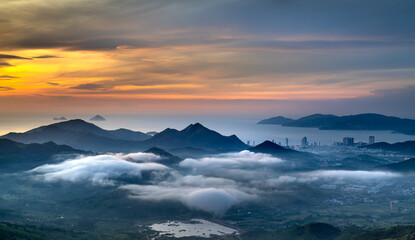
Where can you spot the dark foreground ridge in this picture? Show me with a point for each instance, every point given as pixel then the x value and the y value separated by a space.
pixel 14 155
pixel 311 231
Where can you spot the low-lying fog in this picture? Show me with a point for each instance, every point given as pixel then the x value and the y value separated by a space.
pixel 211 184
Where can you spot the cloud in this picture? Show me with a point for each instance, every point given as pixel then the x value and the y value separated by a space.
pixel 231 160
pixel 89 86
pixel 321 44
pixel 213 200
pixel 5 64
pixel 349 175
pixel 141 157
pixel 6 77
pixel 46 56
pixel 101 169
pixel 332 176
pixel 53 83
pixel 211 184
pixel 5 89
pixel 6 56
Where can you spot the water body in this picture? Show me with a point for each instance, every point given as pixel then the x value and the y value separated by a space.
pixel 193 228
pixel 244 127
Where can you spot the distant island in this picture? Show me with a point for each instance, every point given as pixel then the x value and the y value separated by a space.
pixel 97 118
pixel 59 119
pixel 366 121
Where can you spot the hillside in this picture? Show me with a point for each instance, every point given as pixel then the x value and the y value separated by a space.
pixel 270 148
pixel 195 136
pixel 403 147
pixel 404 166
pixel 14 155
pixel 166 158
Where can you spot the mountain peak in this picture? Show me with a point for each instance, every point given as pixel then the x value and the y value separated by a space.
pixel 269 147
pixel 195 127
pixel 97 118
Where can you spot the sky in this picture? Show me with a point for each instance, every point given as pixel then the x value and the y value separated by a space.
pixel 262 57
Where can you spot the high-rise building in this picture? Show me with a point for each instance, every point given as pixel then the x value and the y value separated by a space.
pixel 304 142
pixel 286 142
pixel 371 139
pixel 348 141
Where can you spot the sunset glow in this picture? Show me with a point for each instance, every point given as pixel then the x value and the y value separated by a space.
pixel 151 51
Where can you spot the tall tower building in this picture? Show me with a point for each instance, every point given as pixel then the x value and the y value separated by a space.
pixel 286 142
pixel 371 139
pixel 348 141
pixel 304 142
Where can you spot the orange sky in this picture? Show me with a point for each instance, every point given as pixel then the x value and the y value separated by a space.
pixel 132 52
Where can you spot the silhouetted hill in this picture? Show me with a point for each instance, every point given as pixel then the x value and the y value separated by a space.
pixel 166 158
pixel 195 136
pixel 191 152
pixel 276 120
pixel 82 135
pixel 87 136
pixel 367 121
pixel 404 166
pixel 403 147
pixel 15 155
pixel 270 148
pixel 97 118
pixel 312 231
pixel 361 162
pixel 59 119
pixel 323 231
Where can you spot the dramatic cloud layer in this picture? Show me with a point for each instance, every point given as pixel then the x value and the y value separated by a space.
pixel 231 160
pixel 212 184
pixel 100 169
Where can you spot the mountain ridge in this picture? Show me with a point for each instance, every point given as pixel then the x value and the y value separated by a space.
pixel 87 136
pixel 365 121
pixel 25 156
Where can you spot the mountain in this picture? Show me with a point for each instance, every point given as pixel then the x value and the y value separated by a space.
pixel 195 136
pixel 276 120
pixel 404 166
pixel 270 148
pixel 403 147
pixel 82 135
pixel 87 136
pixel 367 121
pixel 191 152
pixel 97 118
pixel 59 119
pixel 166 158
pixel 361 162
pixel 15 155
